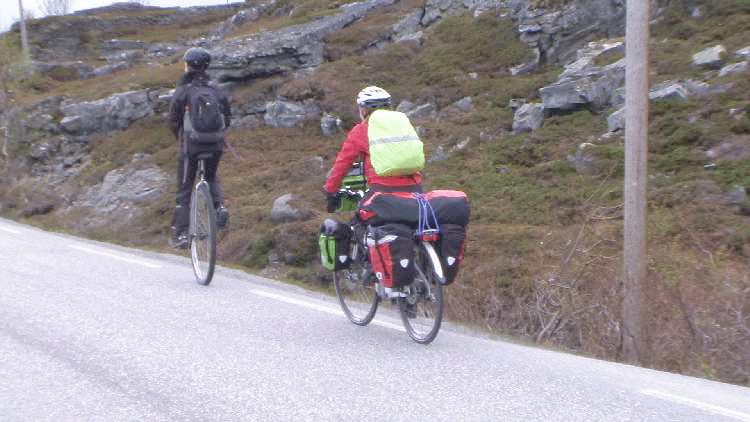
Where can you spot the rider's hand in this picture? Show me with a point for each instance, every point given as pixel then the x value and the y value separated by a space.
pixel 332 201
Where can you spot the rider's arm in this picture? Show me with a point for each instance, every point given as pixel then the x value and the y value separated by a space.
pixel 354 146
pixel 177 109
pixel 226 110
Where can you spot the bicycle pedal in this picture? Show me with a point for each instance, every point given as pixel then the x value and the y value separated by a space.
pixel 410 310
pixel 180 242
pixel 222 218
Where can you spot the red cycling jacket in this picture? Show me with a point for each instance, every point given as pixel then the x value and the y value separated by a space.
pixel 355 145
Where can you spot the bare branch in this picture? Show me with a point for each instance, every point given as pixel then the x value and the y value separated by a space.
pixel 698 244
pixel 5 141
pixel 547 326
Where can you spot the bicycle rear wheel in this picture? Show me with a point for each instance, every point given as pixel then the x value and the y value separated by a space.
pixel 202 233
pixel 422 308
pixel 355 287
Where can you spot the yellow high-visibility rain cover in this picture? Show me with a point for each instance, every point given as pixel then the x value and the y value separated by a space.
pixel 395 147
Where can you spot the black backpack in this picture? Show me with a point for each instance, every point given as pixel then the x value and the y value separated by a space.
pixel 203 114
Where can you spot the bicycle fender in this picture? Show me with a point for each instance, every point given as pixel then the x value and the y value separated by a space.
pixel 437 266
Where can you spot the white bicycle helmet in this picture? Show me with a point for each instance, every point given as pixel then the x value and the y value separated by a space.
pixel 372 97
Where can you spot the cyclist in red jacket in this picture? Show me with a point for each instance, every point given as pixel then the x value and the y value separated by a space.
pixel 357 146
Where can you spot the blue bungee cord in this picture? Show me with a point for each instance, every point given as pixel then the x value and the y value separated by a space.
pixel 427 221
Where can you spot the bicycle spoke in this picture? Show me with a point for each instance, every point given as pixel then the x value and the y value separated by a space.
pixel 422 309
pixel 356 292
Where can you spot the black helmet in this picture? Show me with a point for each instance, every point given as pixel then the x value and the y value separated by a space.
pixel 197 58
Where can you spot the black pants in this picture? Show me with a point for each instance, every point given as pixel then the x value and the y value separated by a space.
pixel 187 164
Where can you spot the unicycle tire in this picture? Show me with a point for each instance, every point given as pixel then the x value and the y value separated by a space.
pixel 203 233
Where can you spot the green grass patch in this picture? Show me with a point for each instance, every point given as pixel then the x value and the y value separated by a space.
pixel 456 48
pixel 116 149
pixel 730 173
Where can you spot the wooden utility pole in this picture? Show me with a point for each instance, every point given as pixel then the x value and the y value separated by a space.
pixel 24 37
pixel 636 168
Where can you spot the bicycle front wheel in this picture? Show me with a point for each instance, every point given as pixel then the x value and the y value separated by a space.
pixel 203 233
pixel 422 308
pixel 355 287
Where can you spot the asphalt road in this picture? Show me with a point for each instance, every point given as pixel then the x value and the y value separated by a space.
pixel 96 332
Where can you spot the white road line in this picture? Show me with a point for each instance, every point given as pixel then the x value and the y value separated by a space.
pixel 388 325
pixel 115 256
pixel 5 229
pixel 317 307
pixel 697 404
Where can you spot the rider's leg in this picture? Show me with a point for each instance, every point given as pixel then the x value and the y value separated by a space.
pixel 178 174
pixel 185 177
pixel 212 166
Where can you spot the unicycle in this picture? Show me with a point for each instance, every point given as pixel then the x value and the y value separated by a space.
pixel 202 230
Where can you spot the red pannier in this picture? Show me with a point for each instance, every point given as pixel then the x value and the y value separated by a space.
pixel 391 249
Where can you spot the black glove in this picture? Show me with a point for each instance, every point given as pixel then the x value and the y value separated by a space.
pixel 332 201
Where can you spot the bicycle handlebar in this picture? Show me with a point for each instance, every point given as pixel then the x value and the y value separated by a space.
pixel 351 194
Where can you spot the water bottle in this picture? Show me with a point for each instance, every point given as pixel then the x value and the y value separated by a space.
pixel 329 226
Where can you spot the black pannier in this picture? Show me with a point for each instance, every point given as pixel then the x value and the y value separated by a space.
pixel 392 207
pixel 451 206
pixel 451 249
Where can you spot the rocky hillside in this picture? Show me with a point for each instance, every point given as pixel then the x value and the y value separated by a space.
pixel 519 102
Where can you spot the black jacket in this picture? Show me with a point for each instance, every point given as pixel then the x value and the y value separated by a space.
pixel 177 108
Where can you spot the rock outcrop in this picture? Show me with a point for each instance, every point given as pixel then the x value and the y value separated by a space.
pixel 116 112
pixel 557 34
pixel 288 49
pixel 68 38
